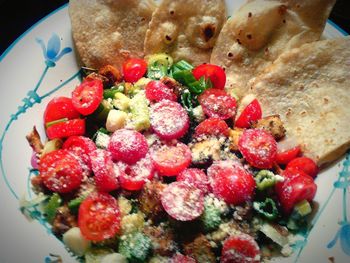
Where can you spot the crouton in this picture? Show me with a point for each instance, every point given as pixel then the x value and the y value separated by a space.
pixel 273 124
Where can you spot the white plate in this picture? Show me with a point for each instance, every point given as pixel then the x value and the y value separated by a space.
pixel 27 78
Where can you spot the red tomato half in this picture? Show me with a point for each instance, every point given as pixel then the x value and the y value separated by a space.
pixel 304 164
pixel 258 147
pixel 296 187
pixel 81 146
pixel 106 174
pixel 240 248
pixel 215 73
pixel 65 129
pixel 87 96
pixel 211 126
pixel 60 108
pixel 169 120
pixel 286 156
pixel 250 113
pixel 60 171
pixel 128 146
pixel 231 182
pixel 134 69
pixel 218 103
pixel 195 177
pixel 170 160
pixel 99 217
pixel 157 91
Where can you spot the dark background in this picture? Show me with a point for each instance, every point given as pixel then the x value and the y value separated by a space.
pixel 17 16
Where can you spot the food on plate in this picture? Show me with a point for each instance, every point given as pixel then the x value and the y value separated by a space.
pixel 259 31
pixel 185 29
pixel 158 182
pixel 109 32
pixel 308 88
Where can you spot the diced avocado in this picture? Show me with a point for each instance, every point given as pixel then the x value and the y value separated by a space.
pixel 211 217
pixel 121 101
pixel 141 83
pixel 114 258
pixel 116 120
pixel 135 247
pixel 303 208
pixel 140 114
pixel 95 255
pixel 75 241
pixel 101 113
pixel 132 223
pixel 51 146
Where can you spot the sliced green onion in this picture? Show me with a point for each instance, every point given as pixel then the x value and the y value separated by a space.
pixel 265 179
pixel 157 71
pixel 51 208
pixel 109 93
pixel 184 76
pixel 74 204
pixel 267 208
pixel 182 65
pixel 48 124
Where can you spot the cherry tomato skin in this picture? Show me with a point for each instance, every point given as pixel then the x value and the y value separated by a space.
pixel 231 182
pixel 195 177
pixel 81 146
pixel 60 108
pixel 182 201
pixel 106 174
pixel 128 146
pixel 286 156
pixel 304 164
pixel 60 171
pixel 157 91
pixel 258 147
pixel 240 248
pixel 217 103
pixel 169 120
pixel 66 129
pixel 250 113
pixel 99 217
pixel 179 258
pixel 134 69
pixel 170 160
pixel 87 96
pixel 215 73
pixel 211 127
pixel 296 187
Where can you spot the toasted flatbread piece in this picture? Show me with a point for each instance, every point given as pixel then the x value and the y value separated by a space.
pixel 309 87
pixel 261 30
pixel 107 31
pixel 186 29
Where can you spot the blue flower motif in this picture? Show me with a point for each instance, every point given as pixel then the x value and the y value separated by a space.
pixel 52 52
pixel 344 235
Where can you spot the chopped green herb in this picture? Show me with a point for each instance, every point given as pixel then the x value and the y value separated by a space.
pixel 51 207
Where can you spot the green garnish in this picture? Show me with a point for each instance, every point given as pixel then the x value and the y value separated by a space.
pixel 110 93
pixel 51 207
pixel 266 208
pixel 48 124
pixel 265 179
pixel 135 247
pixel 74 204
pixel 303 208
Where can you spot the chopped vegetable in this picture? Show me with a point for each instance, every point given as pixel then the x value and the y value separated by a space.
pixel 51 207
pixel 266 179
pixel 135 247
pixel 74 204
pixel 134 69
pixel 116 120
pixel 140 113
pixel 211 217
pixel 76 243
pixel 266 208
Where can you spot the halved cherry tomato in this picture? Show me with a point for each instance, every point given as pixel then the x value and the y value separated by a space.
pixel 169 120
pixel 87 96
pixel 157 91
pixel 170 160
pixel 106 174
pixel 218 103
pixel 215 73
pixel 240 248
pixel 134 69
pixel 128 146
pixel 211 126
pixel 296 187
pixel 195 177
pixel 60 108
pixel 231 182
pixel 60 171
pixel 81 146
pixel 288 155
pixel 258 147
pixel 99 217
pixel 250 113
pixel 304 164
pixel 65 129
pixel 179 258
pixel 133 177
pixel 182 201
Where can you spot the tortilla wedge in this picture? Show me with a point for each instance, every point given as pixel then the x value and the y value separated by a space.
pixel 309 87
pixel 108 32
pixel 186 29
pixel 259 31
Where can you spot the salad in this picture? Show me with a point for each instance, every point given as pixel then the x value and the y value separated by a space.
pixel 158 163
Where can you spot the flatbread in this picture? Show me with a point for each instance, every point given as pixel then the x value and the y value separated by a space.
pixel 186 29
pixel 309 87
pixel 107 31
pixel 260 31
